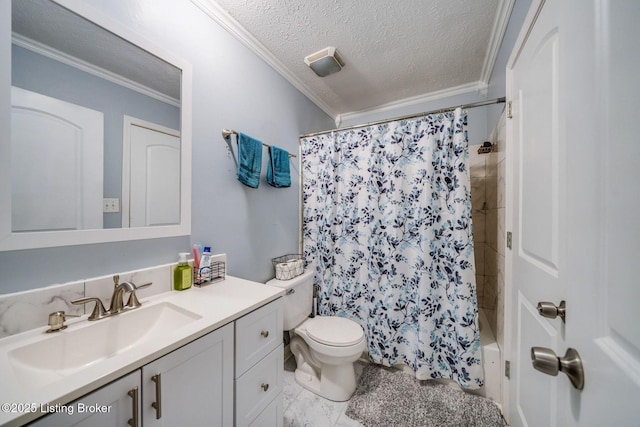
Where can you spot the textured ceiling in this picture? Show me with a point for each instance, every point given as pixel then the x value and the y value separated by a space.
pixel 392 50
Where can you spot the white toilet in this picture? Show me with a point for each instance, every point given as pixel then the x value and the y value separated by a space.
pixel 325 347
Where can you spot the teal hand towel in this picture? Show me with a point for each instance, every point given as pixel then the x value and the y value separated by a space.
pixel 249 160
pixel 278 174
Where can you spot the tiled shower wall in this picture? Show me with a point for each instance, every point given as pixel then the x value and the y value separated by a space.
pixel 488 204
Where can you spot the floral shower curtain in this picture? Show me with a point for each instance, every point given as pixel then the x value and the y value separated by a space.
pixel 387 228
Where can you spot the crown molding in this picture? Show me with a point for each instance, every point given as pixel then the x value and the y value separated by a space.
pixel 87 67
pixel 226 21
pixel 477 87
pixel 497 35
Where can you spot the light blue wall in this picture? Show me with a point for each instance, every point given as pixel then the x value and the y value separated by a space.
pixel 496 89
pixel 232 88
pixel 46 76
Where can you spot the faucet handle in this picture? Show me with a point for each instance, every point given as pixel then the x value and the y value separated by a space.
pixel 56 321
pixel 98 310
pixel 133 299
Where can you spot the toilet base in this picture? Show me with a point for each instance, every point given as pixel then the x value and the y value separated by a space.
pixel 335 382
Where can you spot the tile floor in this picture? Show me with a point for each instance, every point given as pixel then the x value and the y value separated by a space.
pixel 305 409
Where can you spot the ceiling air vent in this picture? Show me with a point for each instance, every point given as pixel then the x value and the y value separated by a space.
pixel 324 62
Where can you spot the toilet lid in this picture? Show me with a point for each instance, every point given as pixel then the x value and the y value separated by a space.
pixel 334 331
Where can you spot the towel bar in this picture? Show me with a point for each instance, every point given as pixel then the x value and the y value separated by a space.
pixel 226 133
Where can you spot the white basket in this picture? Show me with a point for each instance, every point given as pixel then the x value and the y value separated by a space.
pixel 289 269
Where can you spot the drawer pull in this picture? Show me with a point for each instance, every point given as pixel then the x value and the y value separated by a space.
pixel 265 334
pixel 265 387
pixel 157 405
pixel 133 393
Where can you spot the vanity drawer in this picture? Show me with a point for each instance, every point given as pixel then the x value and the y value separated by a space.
pixel 257 334
pixel 257 388
pixel 272 415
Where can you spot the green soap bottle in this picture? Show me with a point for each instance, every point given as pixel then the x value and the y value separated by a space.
pixel 182 275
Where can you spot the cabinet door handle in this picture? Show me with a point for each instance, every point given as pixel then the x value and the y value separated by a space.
pixel 133 421
pixel 157 405
pixel 265 334
pixel 265 387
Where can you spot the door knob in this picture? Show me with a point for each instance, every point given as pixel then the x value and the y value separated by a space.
pixel 546 361
pixel 550 310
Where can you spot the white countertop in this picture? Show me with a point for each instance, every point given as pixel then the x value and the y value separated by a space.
pixel 218 304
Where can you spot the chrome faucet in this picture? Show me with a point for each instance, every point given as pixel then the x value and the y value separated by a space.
pixel 117 299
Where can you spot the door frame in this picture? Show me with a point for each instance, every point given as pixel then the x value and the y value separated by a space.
pixel 127 122
pixel 530 19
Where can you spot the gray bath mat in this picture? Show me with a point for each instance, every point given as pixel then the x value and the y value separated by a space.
pixel 388 397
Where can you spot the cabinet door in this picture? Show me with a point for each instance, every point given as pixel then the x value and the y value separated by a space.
pixel 109 406
pixel 192 385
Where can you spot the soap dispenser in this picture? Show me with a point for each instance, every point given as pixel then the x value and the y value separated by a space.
pixel 182 275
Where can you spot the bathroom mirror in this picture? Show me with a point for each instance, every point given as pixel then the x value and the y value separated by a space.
pixel 99 146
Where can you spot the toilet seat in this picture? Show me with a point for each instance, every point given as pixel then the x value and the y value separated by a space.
pixel 334 331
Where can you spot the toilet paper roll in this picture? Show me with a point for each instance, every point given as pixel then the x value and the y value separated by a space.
pixel 284 271
pixel 290 269
pixel 298 267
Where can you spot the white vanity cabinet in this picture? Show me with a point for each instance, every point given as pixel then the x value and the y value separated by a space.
pixel 231 376
pixel 192 385
pixel 259 367
pixel 115 404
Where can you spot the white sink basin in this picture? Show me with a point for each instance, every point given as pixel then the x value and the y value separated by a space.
pixel 63 353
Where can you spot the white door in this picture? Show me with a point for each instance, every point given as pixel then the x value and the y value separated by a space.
pixel 56 164
pixel 574 156
pixel 151 174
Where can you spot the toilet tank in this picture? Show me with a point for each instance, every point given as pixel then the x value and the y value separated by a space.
pixel 298 298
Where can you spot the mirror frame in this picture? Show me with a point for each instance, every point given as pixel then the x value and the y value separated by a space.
pixel 9 240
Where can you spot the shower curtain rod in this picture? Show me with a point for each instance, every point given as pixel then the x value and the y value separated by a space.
pixel 412 116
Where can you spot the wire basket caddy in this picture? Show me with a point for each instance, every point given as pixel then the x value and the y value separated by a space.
pixel 288 266
pixel 207 276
